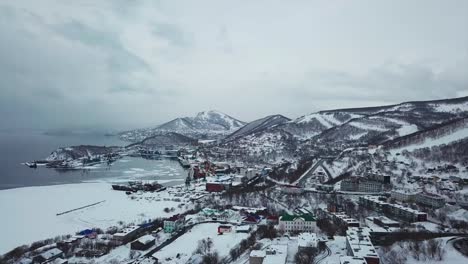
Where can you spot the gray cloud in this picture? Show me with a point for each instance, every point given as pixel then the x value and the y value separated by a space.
pixel 173 34
pixel 127 64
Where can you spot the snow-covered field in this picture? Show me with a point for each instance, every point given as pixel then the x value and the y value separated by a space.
pixel 187 244
pixel 32 215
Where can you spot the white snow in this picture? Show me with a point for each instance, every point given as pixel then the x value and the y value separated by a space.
pixel 32 215
pixel 451 108
pixel 461 215
pixel 445 139
pixel 187 243
pixel 327 120
pixel 364 126
pixel 405 127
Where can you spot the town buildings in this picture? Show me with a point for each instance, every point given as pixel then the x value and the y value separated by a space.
pixel 403 195
pixel 343 219
pixel 385 179
pixel 143 243
pixel 127 234
pixel 306 241
pixel 378 204
pixel 358 244
pixel 173 223
pixel 274 254
pixel 430 199
pixel 297 223
pixel 359 184
pixel 48 256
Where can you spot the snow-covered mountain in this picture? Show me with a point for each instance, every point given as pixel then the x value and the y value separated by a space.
pixel 313 124
pixel 318 133
pixel 207 123
pixel 379 124
pixel 443 134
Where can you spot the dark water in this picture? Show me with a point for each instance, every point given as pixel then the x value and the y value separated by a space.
pixel 19 147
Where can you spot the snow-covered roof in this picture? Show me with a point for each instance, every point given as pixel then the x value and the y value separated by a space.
pixel 257 254
pixel 276 254
pixel 307 240
pixel 245 228
pixel 352 260
pixel 51 253
pixel 59 261
pixel 126 231
pixel 376 200
pixel 146 239
pixel 360 243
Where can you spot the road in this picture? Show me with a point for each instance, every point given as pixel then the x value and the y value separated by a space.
pixel 310 171
pixel 318 259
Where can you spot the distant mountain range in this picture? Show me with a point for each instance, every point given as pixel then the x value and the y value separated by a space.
pixel 388 125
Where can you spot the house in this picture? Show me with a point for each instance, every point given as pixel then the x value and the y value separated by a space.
pixel 48 256
pixel 299 223
pixel 173 223
pixel 224 229
pixel 143 243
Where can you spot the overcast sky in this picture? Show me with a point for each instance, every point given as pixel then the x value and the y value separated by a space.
pixel 127 64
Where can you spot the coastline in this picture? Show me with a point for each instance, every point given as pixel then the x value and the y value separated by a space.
pixel 33 217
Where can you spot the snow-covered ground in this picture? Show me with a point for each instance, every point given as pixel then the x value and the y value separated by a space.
pixel 337 247
pixel 187 243
pixel 32 215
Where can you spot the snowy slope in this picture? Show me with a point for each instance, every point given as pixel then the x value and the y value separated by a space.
pixel 258 125
pixel 380 124
pixel 445 133
pixel 313 124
